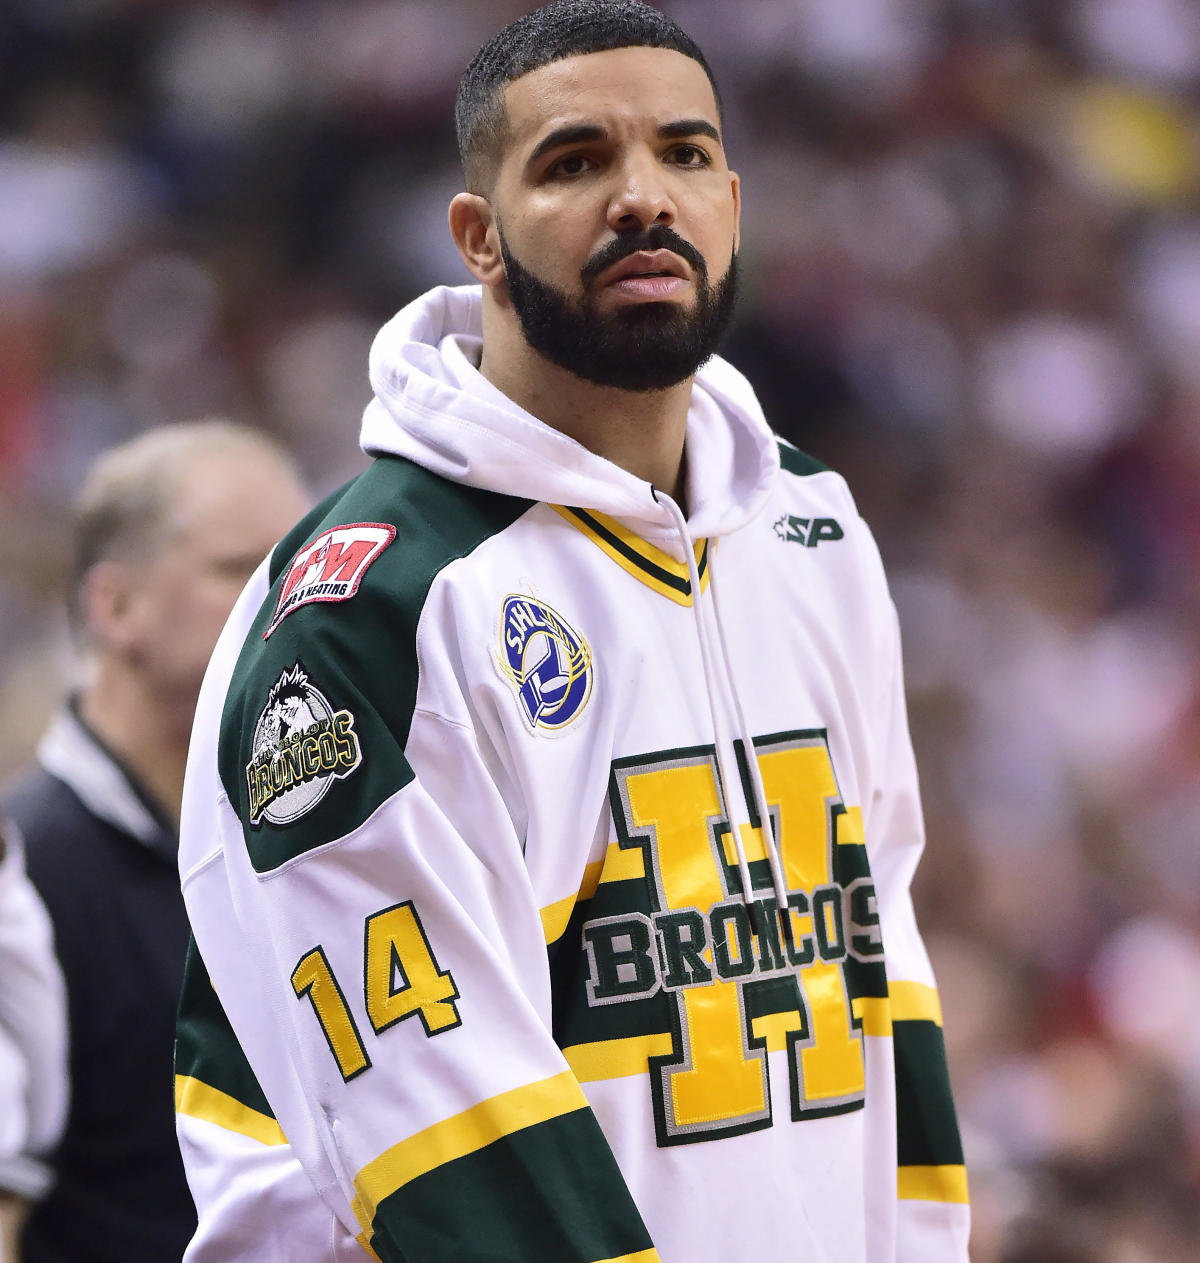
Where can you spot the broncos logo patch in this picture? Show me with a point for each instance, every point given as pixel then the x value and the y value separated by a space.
pixel 548 663
pixel 301 745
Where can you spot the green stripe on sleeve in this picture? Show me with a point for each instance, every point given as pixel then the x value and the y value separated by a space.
pixel 551 1191
pixel 926 1125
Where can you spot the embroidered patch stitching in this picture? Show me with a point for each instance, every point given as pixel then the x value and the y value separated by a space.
pixel 301 745
pixel 331 567
pixel 547 662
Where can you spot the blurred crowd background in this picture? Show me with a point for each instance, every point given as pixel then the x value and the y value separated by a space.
pixel 972 262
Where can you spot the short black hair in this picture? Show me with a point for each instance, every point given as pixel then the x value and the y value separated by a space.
pixel 566 28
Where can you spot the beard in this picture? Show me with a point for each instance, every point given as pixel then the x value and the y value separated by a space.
pixel 645 346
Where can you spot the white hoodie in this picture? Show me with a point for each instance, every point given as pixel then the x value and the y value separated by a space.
pixel 470 752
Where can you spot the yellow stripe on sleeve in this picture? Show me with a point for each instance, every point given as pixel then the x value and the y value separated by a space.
pixel 642 1256
pixel 905 1002
pixel 463 1134
pixel 197 1099
pixel 875 1013
pixel 914 1002
pixel 933 1184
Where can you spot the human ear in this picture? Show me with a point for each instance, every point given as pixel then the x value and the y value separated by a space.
pixel 473 227
pixel 105 602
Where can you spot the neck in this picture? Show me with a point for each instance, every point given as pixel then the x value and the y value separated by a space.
pixel 149 738
pixel 641 431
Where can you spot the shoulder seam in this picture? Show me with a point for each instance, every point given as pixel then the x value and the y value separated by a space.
pixel 445 719
pixel 334 843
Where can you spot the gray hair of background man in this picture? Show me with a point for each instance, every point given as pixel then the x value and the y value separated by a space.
pixel 123 509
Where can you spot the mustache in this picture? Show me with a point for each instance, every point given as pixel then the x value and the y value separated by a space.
pixel 656 237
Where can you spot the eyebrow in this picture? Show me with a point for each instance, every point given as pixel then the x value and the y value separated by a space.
pixel 572 134
pixel 582 133
pixel 689 127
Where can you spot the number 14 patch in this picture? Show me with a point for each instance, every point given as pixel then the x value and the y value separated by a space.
pixel 401 979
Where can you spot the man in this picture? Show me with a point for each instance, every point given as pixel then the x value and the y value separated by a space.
pixel 167 529
pixel 572 920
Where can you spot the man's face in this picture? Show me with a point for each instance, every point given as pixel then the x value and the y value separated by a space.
pixel 230 511
pixel 617 216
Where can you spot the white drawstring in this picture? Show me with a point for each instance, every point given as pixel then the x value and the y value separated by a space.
pixel 722 744
pixel 774 853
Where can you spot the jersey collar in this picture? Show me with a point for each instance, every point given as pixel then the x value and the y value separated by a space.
pixel 70 751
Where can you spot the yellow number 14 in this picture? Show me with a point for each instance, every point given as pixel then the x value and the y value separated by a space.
pixel 400 978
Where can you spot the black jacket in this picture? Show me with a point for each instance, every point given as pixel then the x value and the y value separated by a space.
pixel 104 862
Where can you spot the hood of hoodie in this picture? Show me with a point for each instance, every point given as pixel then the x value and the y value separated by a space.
pixel 434 407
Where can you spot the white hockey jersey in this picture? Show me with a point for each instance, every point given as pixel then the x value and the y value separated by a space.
pixel 550 854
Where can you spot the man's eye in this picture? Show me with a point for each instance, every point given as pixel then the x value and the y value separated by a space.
pixel 689 156
pixel 572 164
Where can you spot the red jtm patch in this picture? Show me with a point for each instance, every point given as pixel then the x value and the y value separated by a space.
pixel 331 567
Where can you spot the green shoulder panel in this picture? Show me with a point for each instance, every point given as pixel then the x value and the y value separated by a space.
pixel 794 461
pixel 294 540
pixel 318 712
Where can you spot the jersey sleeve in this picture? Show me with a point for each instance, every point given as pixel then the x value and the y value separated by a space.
pixel 932 1214
pixel 363 908
pixel 255 1203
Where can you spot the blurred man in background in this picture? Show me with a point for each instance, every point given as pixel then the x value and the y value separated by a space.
pixel 168 528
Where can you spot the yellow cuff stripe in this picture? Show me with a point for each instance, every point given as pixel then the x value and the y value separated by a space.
pixel 642 1256
pixel 933 1184
pixel 875 1013
pixel 914 1002
pixel 462 1134
pixel 905 1002
pixel 198 1100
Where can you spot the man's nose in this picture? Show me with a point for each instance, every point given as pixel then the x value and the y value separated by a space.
pixel 641 196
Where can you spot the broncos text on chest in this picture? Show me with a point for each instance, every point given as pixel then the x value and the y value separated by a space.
pixel 633 956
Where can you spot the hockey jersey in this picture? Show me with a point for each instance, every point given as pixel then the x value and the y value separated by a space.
pixel 549 851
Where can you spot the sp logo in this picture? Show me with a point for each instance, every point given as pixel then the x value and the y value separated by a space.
pixel 547 662
pixel 808 531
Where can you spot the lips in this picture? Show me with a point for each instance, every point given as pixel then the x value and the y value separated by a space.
pixel 645 264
